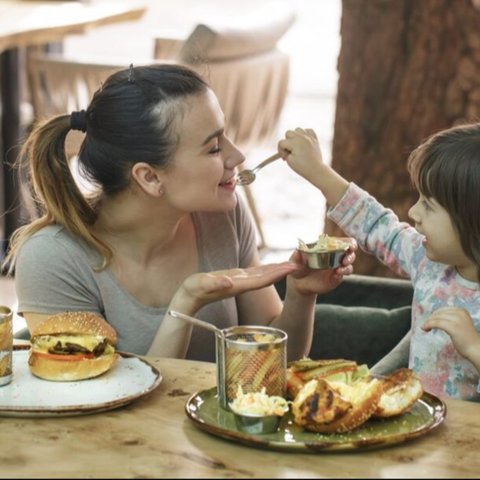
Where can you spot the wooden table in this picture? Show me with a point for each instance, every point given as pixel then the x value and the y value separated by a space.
pixel 153 437
pixel 24 23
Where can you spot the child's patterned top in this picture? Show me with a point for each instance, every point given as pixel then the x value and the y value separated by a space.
pixel 399 246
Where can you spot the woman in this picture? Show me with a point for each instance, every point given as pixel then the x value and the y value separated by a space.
pixel 165 228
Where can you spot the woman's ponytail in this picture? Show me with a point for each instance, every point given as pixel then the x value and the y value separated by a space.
pixel 55 191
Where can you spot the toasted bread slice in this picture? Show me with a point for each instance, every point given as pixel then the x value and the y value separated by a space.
pixel 318 403
pixel 333 406
pixel 401 390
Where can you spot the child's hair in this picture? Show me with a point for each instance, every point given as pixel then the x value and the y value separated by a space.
pixel 132 118
pixel 446 167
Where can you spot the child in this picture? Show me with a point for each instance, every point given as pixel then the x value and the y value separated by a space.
pixel 441 255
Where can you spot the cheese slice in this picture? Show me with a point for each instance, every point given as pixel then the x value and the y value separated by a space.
pixel 44 342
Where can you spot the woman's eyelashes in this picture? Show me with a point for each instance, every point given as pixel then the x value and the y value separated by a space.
pixel 215 150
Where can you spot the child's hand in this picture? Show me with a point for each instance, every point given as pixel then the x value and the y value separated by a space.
pixel 459 325
pixel 301 151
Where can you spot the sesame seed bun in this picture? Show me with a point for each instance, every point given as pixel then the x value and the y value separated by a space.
pixel 76 323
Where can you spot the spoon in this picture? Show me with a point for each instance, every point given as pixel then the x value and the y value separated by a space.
pixel 246 177
pixel 196 321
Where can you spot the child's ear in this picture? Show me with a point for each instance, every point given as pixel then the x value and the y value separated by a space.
pixel 148 179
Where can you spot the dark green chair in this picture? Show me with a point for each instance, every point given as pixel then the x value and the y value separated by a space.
pixel 363 319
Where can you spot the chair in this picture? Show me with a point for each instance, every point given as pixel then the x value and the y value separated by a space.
pixel 248 73
pixel 366 319
pixel 60 85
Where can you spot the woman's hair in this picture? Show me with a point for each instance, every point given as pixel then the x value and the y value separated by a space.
pixel 132 118
pixel 446 167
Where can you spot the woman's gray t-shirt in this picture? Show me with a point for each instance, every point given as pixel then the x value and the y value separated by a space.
pixel 55 273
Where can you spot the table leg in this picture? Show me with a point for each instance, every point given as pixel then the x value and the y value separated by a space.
pixel 10 134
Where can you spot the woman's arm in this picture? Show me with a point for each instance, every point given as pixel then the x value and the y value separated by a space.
pixel 296 315
pixel 199 289
pixel 299 304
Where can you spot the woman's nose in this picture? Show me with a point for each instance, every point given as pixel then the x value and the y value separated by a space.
pixel 234 156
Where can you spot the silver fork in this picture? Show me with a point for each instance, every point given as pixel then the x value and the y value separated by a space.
pixel 246 177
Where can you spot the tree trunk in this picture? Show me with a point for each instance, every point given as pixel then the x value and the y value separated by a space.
pixel 407 68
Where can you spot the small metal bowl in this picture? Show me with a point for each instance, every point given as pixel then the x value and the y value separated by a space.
pixel 257 424
pixel 323 260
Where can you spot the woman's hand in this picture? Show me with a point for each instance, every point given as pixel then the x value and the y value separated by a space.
pixel 307 281
pixel 457 323
pixel 200 289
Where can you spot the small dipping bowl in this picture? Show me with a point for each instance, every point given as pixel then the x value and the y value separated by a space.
pixel 323 259
pixel 257 424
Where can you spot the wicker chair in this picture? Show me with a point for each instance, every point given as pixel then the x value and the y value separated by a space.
pixel 60 85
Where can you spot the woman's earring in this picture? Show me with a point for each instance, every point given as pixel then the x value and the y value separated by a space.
pixel 161 190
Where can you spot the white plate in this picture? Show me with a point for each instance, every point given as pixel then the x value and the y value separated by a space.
pixel 28 396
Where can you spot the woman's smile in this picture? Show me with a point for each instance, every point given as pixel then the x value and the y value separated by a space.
pixel 228 184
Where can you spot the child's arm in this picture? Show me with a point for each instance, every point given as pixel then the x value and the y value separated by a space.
pixel 301 150
pixel 459 325
pixel 376 229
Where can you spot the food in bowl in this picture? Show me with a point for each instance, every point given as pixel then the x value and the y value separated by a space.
pixel 326 252
pixel 258 403
pixel 256 338
pixel 253 357
pixel 257 412
pixel 324 243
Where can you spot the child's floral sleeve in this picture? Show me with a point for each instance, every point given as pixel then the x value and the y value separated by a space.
pixel 378 231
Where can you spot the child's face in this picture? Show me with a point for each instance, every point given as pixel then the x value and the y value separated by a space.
pixel 441 242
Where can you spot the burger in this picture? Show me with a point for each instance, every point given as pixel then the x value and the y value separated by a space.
pixel 72 346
